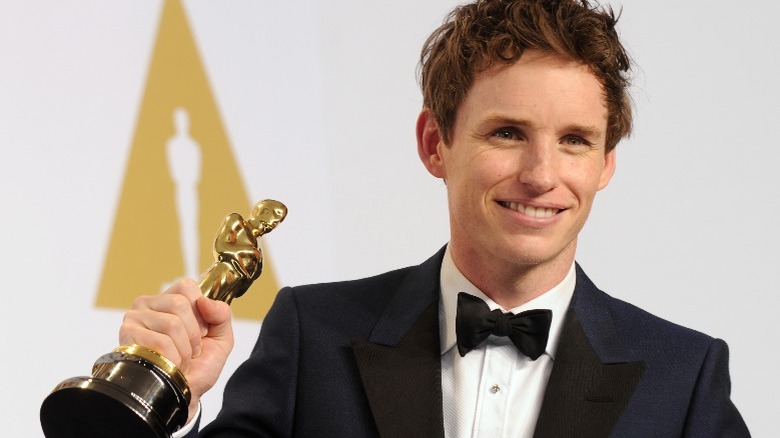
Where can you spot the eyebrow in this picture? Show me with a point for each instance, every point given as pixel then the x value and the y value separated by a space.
pixel 585 131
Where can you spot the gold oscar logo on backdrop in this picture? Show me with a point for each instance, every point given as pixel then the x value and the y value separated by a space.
pixel 181 179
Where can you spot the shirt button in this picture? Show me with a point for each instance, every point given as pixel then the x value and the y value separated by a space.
pixel 495 389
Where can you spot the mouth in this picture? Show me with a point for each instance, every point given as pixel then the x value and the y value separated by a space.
pixel 537 212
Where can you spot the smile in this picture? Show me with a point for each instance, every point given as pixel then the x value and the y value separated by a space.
pixel 530 211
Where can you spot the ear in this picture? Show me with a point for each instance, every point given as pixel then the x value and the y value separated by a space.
pixel 608 170
pixel 429 142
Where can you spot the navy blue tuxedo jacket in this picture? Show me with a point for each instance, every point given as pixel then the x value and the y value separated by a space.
pixel 362 359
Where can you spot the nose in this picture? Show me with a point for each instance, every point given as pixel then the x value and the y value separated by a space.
pixel 538 169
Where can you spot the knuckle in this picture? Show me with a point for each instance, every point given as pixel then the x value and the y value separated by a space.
pixel 180 303
pixel 140 302
pixel 130 316
pixel 189 283
pixel 169 324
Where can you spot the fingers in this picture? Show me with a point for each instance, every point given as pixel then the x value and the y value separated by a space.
pixel 188 288
pixel 133 333
pixel 169 323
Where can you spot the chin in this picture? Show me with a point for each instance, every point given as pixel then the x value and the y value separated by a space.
pixel 537 253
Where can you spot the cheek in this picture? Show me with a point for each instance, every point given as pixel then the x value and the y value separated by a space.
pixel 583 180
pixel 472 178
pixel 491 168
pixel 469 185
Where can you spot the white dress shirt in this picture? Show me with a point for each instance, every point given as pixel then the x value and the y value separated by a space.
pixel 494 391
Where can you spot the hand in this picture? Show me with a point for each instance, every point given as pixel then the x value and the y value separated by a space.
pixel 194 332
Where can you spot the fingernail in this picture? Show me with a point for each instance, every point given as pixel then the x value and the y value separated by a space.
pixel 196 351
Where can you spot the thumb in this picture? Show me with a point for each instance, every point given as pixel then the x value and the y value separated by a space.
pixel 217 315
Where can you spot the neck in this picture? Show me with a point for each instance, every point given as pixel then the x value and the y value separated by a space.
pixel 511 283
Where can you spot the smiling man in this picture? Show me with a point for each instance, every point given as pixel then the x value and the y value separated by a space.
pixel 501 333
pixel 526 155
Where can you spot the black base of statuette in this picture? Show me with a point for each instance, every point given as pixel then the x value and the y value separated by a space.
pixel 126 397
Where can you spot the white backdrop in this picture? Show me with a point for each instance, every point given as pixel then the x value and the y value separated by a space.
pixel 327 91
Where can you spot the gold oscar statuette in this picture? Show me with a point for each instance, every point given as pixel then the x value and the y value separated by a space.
pixel 135 391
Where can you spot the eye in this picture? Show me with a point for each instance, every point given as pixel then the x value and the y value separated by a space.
pixel 505 134
pixel 573 140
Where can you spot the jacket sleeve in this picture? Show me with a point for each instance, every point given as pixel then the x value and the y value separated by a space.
pixel 259 399
pixel 712 413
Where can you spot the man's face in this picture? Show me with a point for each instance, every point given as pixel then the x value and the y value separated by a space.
pixel 526 160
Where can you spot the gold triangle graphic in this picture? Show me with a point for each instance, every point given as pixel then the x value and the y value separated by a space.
pixel 145 250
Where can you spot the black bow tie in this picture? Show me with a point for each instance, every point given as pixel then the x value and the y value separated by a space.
pixel 475 322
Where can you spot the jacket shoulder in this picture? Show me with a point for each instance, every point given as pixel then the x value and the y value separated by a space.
pixel 370 294
pixel 628 316
pixel 664 346
pixel 642 334
pixel 402 287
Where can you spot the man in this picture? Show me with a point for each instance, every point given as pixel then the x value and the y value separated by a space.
pixel 524 103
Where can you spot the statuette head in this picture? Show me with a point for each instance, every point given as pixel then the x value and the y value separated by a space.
pixel 266 215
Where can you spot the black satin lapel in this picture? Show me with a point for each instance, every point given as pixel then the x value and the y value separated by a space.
pixel 584 397
pixel 403 383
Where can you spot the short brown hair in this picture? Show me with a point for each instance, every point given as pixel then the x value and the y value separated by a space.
pixel 476 36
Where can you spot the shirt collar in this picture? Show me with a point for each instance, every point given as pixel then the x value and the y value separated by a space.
pixel 453 281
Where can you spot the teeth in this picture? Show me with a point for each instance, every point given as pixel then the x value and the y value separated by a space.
pixel 531 211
